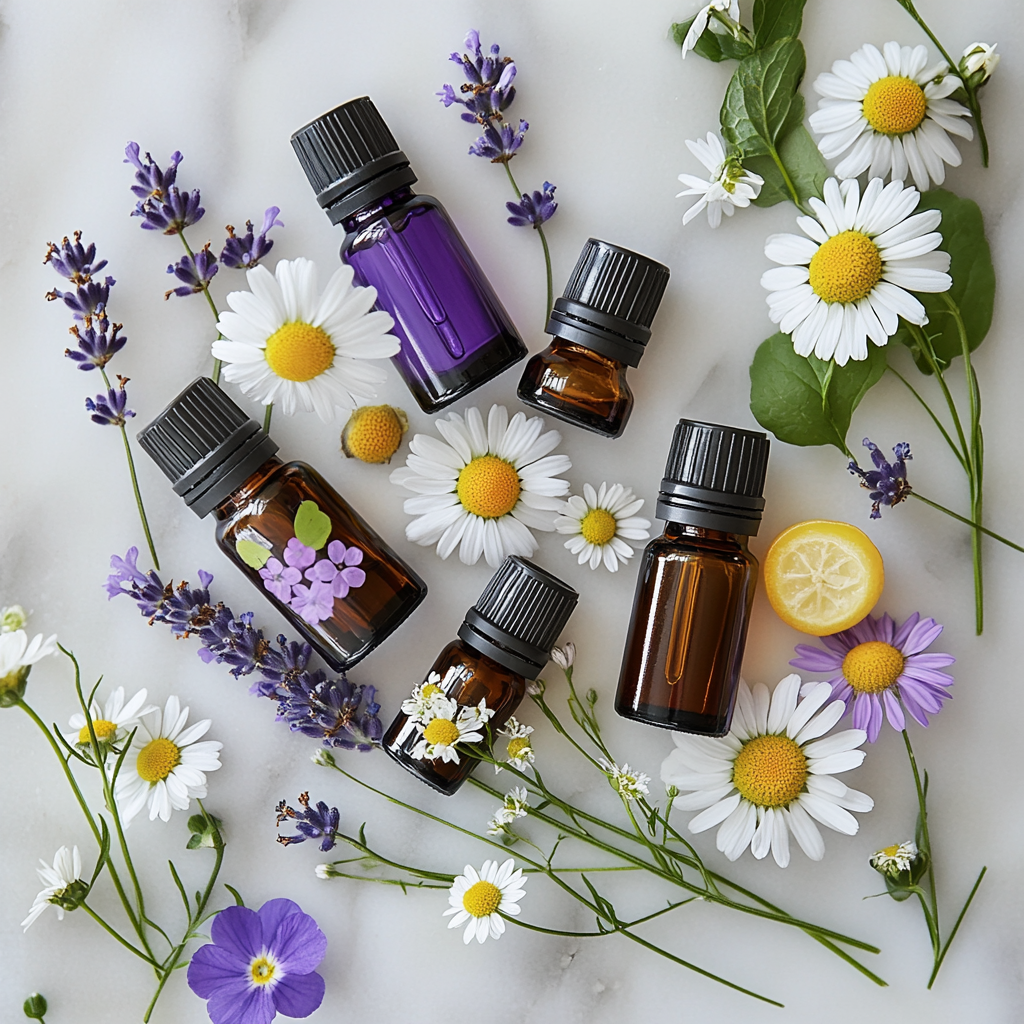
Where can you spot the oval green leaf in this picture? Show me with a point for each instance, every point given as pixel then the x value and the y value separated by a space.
pixel 252 553
pixel 312 527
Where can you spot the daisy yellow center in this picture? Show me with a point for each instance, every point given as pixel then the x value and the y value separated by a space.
pixel 299 351
pixel 488 487
pixel 770 771
pixel 873 666
pixel 375 434
pixel 104 731
pixel 430 690
pixel 890 851
pixel 598 526
pixel 895 105
pixel 262 970
pixel 517 746
pixel 846 267
pixel 442 731
pixel 157 759
pixel 482 898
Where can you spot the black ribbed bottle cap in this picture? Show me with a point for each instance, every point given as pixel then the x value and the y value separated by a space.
pixel 519 616
pixel 610 301
pixel 205 445
pixel 714 478
pixel 351 158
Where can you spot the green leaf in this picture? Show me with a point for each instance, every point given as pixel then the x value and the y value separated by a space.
pixel 759 97
pixel 312 527
pixel 803 162
pixel 239 902
pixel 776 19
pixel 807 401
pixel 974 281
pixel 252 553
pixel 712 45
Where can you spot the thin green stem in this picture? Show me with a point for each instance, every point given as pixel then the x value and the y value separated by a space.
pixel 209 299
pixel 935 419
pixel 268 412
pixel 967 522
pixel 543 242
pixel 956 928
pixel 790 187
pixel 117 935
pixel 926 841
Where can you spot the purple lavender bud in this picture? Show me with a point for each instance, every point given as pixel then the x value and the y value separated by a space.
pixel 499 145
pixel 152 181
pixel 87 300
pixel 246 251
pixel 488 89
pixel 96 347
pixel 110 408
pixel 320 822
pixel 197 272
pixel 534 208
pixel 887 483
pixel 73 260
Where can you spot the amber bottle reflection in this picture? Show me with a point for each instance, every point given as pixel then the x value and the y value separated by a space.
pixel 467 677
pixel 576 384
pixel 685 643
pixel 263 511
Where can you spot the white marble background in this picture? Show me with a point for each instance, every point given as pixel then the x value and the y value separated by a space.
pixel 610 104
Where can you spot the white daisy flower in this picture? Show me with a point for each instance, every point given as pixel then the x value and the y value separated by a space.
pixel 482 898
pixel 286 345
pixel 895 859
pixel 482 489
pixel 979 59
pixel 520 748
pixel 893 111
pixel 17 656
pixel 731 8
pixel 772 773
pixel 628 781
pixel 516 805
pixel 428 701
pixel 63 885
pixel 731 185
pixel 600 523
pixel 111 723
pixel 165 766
pixel 450 727
pixel 851 278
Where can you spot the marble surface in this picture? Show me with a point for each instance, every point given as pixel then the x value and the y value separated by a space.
pixel 610 105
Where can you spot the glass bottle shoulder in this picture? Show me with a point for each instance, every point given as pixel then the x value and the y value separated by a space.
pixel 394 213
pixel 694 542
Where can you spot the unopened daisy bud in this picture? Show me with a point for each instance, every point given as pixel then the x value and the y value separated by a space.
pixel 892 861
pixel 324 758
pixel 535 687
pixel 564 657
pixel 11 618
pixel 35 1006
pixel 373 433
pixel 325 871
pixel 978 62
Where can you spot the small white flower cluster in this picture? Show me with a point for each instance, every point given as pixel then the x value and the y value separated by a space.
pixel 516 805
pixel 428 701
pixel 520 749
pixel 442 723
pixel 630 783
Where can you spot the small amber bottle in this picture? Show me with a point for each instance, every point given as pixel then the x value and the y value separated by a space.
pixel 299 542
pixel 600 325
pixel 506 638
pixel 681 665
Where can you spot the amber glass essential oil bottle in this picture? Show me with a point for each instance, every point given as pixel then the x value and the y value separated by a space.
pixel 298 541
pixel 601 326
pixel 506 638
pixel 681 665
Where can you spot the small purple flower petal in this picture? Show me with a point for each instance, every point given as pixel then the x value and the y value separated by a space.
pixel 534 208
pixel 315 602
pixel 887 483
pixel 336 551
pixel 297 555
pixel 354 556
pixel 325 570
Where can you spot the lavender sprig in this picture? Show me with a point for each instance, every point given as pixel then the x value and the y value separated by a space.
pixel 332 710
pixel 97 341
pixel 486 94
pixel 320 822
pixel 243 252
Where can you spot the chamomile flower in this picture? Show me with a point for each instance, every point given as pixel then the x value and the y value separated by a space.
pixel 443 733
pixel 628 782
pixel 729 8
pixel 516 805
pixel 730 186
pixel 520 747
pixel 895 859
pixel 772 773
pixel 600 524
pixel 892 113
pixel 63 885
pixel 481 898
pixel 850 279
pixel 483 488
pixel 428 701
pixel 285 344
pixel 166 764
pixel 17 656
pixel 112 722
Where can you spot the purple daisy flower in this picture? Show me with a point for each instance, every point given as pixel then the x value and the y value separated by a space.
pixel 878 664
pixel 279 578
pixel 259 964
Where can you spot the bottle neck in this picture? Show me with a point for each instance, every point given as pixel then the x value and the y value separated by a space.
pixel 380 207
pixel 247 490
pixel 566 348
pixel 683 531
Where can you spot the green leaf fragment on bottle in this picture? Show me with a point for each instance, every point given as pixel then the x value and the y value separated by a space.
pixel 312 527
pixel 252 553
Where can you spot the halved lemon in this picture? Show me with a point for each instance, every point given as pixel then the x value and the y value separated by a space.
pixel 822 577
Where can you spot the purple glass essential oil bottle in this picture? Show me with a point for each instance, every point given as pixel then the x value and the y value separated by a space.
pixel 286 528
pixel 455 333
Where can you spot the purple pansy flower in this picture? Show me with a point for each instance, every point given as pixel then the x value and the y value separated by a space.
pixel 315 602
pixel 887 483
pixel 297 555
pixel 279 578
pixel 534 208
pixel 259 964
pixel 878 664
